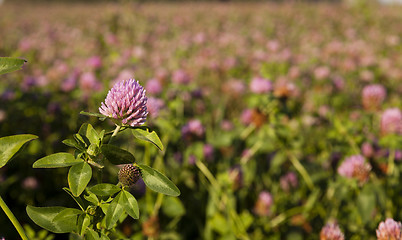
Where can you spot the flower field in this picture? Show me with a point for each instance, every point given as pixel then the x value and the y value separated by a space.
pixel 274 121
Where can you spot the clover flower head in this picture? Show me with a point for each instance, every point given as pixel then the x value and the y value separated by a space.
pixel 355 167
pixel 389 230
pixel 263 204
pixel 391 121
pixel 373 95
pixel 331 231
pixel 289 181
pixel 260 85
pixel 181 77
pixel 193 128
pixel 126 102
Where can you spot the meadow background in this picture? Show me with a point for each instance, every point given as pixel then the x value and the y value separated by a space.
pixel 267 96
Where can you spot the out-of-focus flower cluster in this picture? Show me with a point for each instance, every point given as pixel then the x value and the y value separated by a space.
pixel 287 106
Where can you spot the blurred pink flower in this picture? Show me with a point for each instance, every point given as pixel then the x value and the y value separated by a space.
pixel 373 96
pixel 289 181
pixel 321 73
pixel 181 77
pixel 367 150
pixel 260 85
pixel 247 116
pixel 30 183
pixel 153 86
pixel 227 125
pixel 234 87
pixel 89 83
pixel 263 205
pixel 331 231
pixel 154 105
pixel 208 151
pixel 194 128
pixel 355 167
pixel 389 230
pixel 94 62
pixel 391 121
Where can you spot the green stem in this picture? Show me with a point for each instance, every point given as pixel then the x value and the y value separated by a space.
pixel 391 162
pixel 116 130
pixel 158 203
pixel 208 175
pixel 299 167
pixel 283 216
pixel 13 220
pixel 100 170
pixel 216 186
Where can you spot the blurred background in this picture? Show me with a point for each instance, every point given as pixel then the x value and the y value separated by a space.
pixel 256 90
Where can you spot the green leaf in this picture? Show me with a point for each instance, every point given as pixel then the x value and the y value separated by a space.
pixel 104 237
pixel 104 189
pixel 100 116
pixel 173 207
pixel 92 198
pixel 57 160
pixel 91 235
pixel 366 203
pixel 82 140
pixel 312 200
pixel 88 131
pixel 10 145
pixel 117 155
pixel 158 182
pixel 144 134
pixel 45 218
pixel 115 209
pixel 76 199
pixel 67 213
pixel 130 205
pixel 73 143
pixel 79 177
pixel 83 222
pixel 8 64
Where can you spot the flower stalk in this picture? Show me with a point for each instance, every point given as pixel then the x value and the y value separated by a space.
pixel 13 219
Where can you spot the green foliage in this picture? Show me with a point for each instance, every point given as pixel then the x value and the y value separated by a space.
pixel 8 64
pixel 145 135
pixel 114 211
pixel 57 160
pixel 116 155
pixel 10 145
pixel 54 219
pixel 103 204
pixel 158 182
pixel 130 204
pixel 104 189
pixel 79 177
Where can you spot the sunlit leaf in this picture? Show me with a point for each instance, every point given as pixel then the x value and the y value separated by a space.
pixel 8 64
pixel 104 189
pixel 130 205
pixel 158 182
pixel 114 211
pixel 144 134
pixel 57 160
pixel 45 218
pixel 10 145
pixel 79 177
